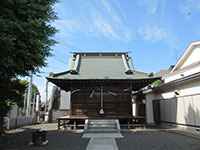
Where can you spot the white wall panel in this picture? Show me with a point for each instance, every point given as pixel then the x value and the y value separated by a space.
pixel 180 111
pixel 189 110
pixel 196 104
pixel 184 110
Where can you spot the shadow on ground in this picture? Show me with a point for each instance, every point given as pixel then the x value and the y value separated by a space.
pixel 58 140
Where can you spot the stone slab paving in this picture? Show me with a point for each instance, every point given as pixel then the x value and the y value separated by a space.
pixel 102 135
pixel 102 141
pixel 102 144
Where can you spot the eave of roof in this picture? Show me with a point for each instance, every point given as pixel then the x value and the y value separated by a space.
pixel 136 75
pixel 175 83
pixel 97 53
pixel 67 84
pixel 185 55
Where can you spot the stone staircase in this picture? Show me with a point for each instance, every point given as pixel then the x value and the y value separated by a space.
pixel 102 126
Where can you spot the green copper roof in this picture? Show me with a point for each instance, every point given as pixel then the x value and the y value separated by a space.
pixel 100 66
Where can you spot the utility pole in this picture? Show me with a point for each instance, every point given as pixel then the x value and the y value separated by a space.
pixel 29 95
pixel 37 107
pixel 33 104
pixel 46 102
pixel 25 101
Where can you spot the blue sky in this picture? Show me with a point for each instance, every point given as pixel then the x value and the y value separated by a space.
pixel 155 32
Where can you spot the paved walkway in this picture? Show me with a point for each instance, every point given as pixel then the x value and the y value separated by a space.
pixel 102 141
pixel 102 144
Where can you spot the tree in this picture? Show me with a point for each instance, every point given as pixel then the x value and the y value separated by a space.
pixel 26 37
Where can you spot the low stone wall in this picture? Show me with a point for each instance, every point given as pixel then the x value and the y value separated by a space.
pixel 11 123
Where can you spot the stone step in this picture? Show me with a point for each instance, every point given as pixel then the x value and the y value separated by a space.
pixel 102 131
pixel 102 126
pixel 102 121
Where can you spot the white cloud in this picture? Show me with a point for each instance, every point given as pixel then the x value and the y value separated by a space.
pixel 100 19
pixel 66 24
pixel 109 21
pixel 155 33
pixel 151 6
pixel 152 33
pixel 105 28
pixel 114 12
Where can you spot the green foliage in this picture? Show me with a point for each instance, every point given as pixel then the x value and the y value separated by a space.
pixel 25 35
pixel 156 83
pixel 151 74
pixel 34 87
pixel 12 92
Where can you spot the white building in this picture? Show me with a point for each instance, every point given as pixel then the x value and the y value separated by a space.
pixel 177 100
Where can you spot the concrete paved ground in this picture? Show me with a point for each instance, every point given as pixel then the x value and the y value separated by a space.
pixel 157 140
pixel 64 140
pixel 58 140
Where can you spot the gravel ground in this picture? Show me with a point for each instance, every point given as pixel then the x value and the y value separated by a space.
pixel 156 140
